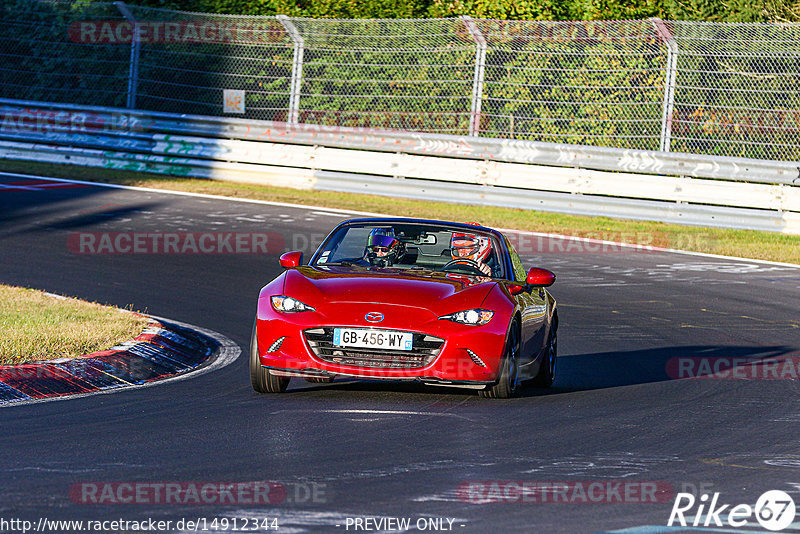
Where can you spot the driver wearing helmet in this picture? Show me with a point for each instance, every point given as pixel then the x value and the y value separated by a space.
pixel 472 249
pixel 383 248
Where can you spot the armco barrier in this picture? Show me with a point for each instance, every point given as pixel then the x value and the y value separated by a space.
pixel 671 187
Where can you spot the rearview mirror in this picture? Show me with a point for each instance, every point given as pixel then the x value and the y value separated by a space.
pixel 291 259
pixel 540 277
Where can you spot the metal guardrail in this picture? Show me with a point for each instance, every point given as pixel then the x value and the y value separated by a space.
pixel 674 187
pixel 131 123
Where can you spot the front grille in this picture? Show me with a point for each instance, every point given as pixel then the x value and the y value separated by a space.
pixel 426 349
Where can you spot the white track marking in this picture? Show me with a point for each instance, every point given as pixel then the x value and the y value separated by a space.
pixel 344 212
pixel 327 213
pixel 21 187
pixel 648 248
pixel 377 412
pixel 198 195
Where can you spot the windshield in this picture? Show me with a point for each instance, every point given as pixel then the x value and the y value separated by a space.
pixel 414 246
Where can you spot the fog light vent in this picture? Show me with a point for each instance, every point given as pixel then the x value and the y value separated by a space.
pixel 474 357
pixel 278 342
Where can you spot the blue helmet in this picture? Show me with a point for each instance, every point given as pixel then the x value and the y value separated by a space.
pixel 383 248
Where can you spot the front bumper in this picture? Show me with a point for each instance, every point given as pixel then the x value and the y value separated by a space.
pixel 319 373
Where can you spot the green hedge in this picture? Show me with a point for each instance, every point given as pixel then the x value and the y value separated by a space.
pixel 706 10
pixel 38 60
pixel 585 82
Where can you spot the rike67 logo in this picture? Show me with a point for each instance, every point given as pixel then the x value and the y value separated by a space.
pixel 774 510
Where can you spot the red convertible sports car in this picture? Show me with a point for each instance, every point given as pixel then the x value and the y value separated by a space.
pixel 443 303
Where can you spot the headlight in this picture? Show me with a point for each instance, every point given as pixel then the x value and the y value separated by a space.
pixel 472 317
pixel 282 303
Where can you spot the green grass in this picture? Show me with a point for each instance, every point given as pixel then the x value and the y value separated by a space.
pixel 37 326
pixel 745 243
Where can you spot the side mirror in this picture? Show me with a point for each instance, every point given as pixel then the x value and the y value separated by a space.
pixel 291 259
pixel 515 289
pixel 540 277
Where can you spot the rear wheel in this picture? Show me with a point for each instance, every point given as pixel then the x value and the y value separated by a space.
pixel 262 380
pixel 547 371
pixel 508 381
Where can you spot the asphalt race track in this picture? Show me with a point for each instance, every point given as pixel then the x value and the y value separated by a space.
pixel 370 450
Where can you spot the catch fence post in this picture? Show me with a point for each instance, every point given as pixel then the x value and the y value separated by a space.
pixel 133 72
pixel 668 105
pixel 297 68
pixel 477 78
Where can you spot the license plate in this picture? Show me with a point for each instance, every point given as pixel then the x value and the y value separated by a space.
pixel 372 339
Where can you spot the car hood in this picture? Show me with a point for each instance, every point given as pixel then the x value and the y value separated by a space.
pixel 438 292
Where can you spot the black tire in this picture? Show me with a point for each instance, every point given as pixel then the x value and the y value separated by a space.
pixel 262 380
pixel 319 379
pixel 547 371
pixel 508 382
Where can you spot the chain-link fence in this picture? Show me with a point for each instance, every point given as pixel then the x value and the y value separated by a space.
pixel 726 89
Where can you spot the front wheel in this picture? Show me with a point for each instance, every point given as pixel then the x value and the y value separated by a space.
pixel 262 380
pixel 508 381
pixel 547 371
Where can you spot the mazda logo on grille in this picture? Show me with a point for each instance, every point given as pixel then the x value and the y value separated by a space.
pixel 374 317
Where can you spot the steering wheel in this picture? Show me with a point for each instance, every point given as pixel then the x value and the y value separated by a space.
pixel 464 264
